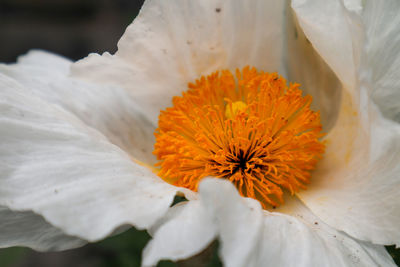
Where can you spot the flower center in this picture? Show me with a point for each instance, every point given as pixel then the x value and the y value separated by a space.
pixel 253 130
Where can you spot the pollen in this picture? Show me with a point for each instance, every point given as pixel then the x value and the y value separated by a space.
pixel 232 109
pixel 250 128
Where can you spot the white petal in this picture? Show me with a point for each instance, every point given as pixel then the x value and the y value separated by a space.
pixel 250 236
pixel 237 223
pixel 31 230
pixel 325 25
pixel 356 186
pixel 381 55
pixel 184 232
pixel 354 5
pixel 110 110
pixel 172 43
pixel 42 59
pixel 56 166
pixel 328 247
pixel 305 66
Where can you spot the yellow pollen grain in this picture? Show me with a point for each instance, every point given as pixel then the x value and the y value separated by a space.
pixel 250 128
pixel 232 109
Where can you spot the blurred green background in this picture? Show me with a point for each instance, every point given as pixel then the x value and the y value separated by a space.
pixel 74 28
pixel 121 250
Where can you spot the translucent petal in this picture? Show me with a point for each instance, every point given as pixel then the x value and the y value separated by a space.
pixel 356 186
pixel 305 66
pixel 172 43
pixel 31 230
pixel 56 166
pixel 381 56
pixel 250 236
pixel 109 110
pixel 325 25
pixel 184 232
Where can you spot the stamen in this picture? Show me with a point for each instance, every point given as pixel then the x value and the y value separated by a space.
pixel 234 108
pixel 254 131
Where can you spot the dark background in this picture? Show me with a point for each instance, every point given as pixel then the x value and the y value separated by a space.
pixel 75 28
pixel 72 28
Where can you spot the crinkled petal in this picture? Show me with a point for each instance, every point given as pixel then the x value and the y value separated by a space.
pixel 172 43
pixel 109 110
pixel 381 54
pixel 356 187
pixel 184 232
pixel 250 236
pixel 54 165
pixel 344 250
pixel 31 230
pixel 239 224
pixel 41 59
pixel 325 25
pixel 305 66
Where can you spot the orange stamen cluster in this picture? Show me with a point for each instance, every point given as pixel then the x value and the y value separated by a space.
pixel 254 131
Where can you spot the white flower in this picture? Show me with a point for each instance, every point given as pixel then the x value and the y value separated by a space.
pixel 69 148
